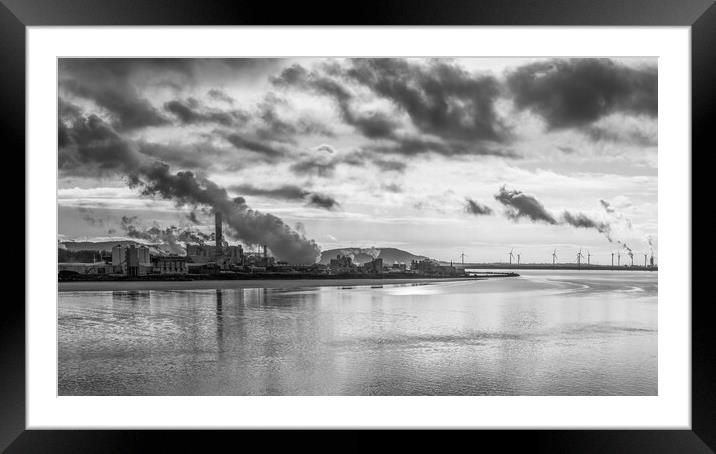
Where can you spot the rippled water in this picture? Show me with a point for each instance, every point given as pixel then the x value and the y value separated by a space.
pixel 544 333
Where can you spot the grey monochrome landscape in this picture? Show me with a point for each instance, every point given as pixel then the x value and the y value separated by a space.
pixel 357 226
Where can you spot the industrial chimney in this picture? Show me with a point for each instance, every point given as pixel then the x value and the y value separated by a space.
pixel 219 239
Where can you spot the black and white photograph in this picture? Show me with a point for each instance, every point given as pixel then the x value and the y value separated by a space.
pixel 355 226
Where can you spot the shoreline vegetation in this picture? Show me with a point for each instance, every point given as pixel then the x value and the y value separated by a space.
pixel 217 282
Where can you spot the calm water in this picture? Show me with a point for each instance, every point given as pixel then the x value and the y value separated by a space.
pixel 545 333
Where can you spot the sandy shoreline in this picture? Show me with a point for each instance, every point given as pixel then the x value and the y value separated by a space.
pixel 83 286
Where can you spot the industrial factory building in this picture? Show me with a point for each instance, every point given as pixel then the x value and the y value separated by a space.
pixel 131 260
pixel 342 264
pixel 136 260
pixel 221 254
pixel 85 268
pixel 170 265
pixel 204 253
pixel 432 268
pixel 373 267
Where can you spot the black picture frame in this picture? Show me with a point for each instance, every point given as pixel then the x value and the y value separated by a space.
pixel 700 15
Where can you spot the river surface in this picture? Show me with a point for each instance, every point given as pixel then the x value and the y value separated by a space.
pixel 543 333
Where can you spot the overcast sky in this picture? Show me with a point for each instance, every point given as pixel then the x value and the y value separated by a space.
pixel 436 157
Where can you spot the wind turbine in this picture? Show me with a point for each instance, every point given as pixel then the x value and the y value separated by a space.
pixel 579 258
pixel 462 257
pixel 511 255
pixel 518 259
pixel 554 257
pixel 589 258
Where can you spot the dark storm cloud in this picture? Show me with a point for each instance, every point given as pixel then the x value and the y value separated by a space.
pixel 440 98
pixel 198 156
pixel 390 165
pixel 519 205
pixel 129 110
pixel 476 208
pixel 188 70
pixel 107 83
pixel 631 137
pixel 412 146
pixel 67 113
pixel 575 92
pixel 324 165
pixel 271 126
pixel 285 192
pixel 310 166
pixel 567 150
pixel 115 84
pixel 289 192
pixel 79 135
pixel 356 158
pixel 220 95
pixel 322 201
pixel 63 137
pixel 242 143
pixel 190 111
pixel 372 124
pixel 95 147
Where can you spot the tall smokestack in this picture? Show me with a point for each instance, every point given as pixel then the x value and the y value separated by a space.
pixel 219 239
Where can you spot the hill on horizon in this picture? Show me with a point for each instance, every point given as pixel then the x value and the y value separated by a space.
pixel 360 256
pixel 98 246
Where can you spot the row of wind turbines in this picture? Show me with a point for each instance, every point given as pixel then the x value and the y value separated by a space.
pixel 580 257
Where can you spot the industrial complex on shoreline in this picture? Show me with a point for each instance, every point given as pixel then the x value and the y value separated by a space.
pixel 231 261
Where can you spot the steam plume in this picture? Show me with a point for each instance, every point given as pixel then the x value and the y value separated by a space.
pixel 476 208
pixel 520 205
pixel 91 144
pixel 170 236
pixel 581 220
